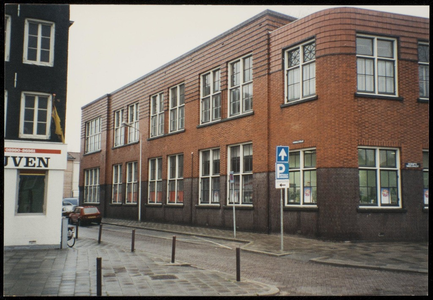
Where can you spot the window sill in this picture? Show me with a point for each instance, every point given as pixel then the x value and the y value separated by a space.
pixel 210 206
pixel 306 208
pixel 174 205
pixel 165 135
pixel 295 102
pixel 244 115
pixel 381 210
pixel 153 204
pixel 242 207
pixel 94 152
pixel 130 204
pixel 124 145
pixel 420 100
pixel 381 97
pixel 91 203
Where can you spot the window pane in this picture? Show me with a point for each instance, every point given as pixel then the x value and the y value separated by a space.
pixel 425 160
pixel 205 85
pixel 31 193
pixel 295 188
pixel 216 81
pixel 216 162
pixel 423 53
pixel 248 69
pixel 235 73
pixel 247 189
pixel 235 159
pixel 364 46
pixel 388 158
pixel 216 190
pixel 205 190
pixel 294 160
pixel 248 158
pixel 293 58
pixel 309 52
pixel 205 169
pixel 384 48
pixel 309 159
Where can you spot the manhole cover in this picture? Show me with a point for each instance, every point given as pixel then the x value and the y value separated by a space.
pixel 162 277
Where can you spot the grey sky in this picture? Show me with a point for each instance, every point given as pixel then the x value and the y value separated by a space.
pixel 112 45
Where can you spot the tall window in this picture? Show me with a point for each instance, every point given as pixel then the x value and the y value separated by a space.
pixel 175 179
pixel 157 115
pixel 379 177
pixel 35 115
pixel 31 191
pixel 91 185
pixel 119 129
pixel 133 129
pixel 210 176
pixel 425 167
pixel 300 66
pixel 155 180
pixel 241 164
pixel 177 108
pixel 210 96
pixel 39 43
pixel 376 65
pixel 302 177
pixel 93 135
pixel 7 37
pixel 241 85
pixel 131 183
pixel 424 70
pixel 117 185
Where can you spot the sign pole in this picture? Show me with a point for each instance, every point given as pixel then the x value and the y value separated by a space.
pixel 281 219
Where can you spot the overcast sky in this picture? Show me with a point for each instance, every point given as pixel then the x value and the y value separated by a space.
pixel 112 45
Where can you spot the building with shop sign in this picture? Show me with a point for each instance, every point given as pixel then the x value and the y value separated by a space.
pixel 36 52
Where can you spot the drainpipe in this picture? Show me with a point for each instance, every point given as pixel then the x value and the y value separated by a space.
pixel 192 183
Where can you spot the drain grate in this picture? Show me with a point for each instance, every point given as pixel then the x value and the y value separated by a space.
pixel 162 277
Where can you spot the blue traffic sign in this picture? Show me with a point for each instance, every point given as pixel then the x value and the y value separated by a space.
pixel 282 167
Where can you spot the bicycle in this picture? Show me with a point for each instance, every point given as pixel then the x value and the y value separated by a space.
pixel 71 236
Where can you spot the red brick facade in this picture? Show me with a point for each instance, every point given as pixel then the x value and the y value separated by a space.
pixel 335 123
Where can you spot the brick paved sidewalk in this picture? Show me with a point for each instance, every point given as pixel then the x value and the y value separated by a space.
pixel 72 272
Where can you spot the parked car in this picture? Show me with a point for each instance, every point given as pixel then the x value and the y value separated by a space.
pixel 85 215
pixel 68 205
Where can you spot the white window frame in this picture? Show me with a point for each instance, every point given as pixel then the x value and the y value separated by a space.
pixel 155 181
pixel 307 196
pixel 7 37
pixel 131 189
pixel 424 72
pixel 93 135
pixel 157 115
pixel 116 193
pixel 245 83
pixel 119 129
pixel 377 168
pixel 91 185
pixel 210 95
pixel 36 112
pixel 376 59
pixel 241 175
pixel 133 123
pixel 38 61
pixel 175 177
pixel 177 108
pixel 304 84
pixel 425 170
pixel 212 177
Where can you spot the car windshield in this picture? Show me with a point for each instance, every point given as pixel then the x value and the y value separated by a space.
pixel 90 210
pixel 71 201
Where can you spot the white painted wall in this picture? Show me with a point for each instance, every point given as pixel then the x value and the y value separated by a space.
pixel 40 229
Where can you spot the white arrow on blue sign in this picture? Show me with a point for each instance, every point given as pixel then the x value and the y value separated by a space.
pixel 282 167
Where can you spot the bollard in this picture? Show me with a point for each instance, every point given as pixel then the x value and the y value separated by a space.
pixel 173 249
pixel 133 240
pixel 98 276
pixel 100 233
pixel 238 264
pixel 76 231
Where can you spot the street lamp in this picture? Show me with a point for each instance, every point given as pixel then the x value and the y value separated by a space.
pixel 139 173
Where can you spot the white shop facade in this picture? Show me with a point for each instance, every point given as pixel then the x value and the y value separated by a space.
pixel 33 192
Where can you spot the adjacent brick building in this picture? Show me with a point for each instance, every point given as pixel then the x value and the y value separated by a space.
pixel 346 89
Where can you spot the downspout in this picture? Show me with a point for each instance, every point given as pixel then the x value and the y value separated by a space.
pixel 107 147
pixel 268 141
pixel 192 183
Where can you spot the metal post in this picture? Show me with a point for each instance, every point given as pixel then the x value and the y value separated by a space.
pixel 98 276
pixel 76 231
pixel 281 217
pixel 238 264
pixel 139 182
pixel 133 240
pixel 234 209
pixel 100 233
pixel 173 249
